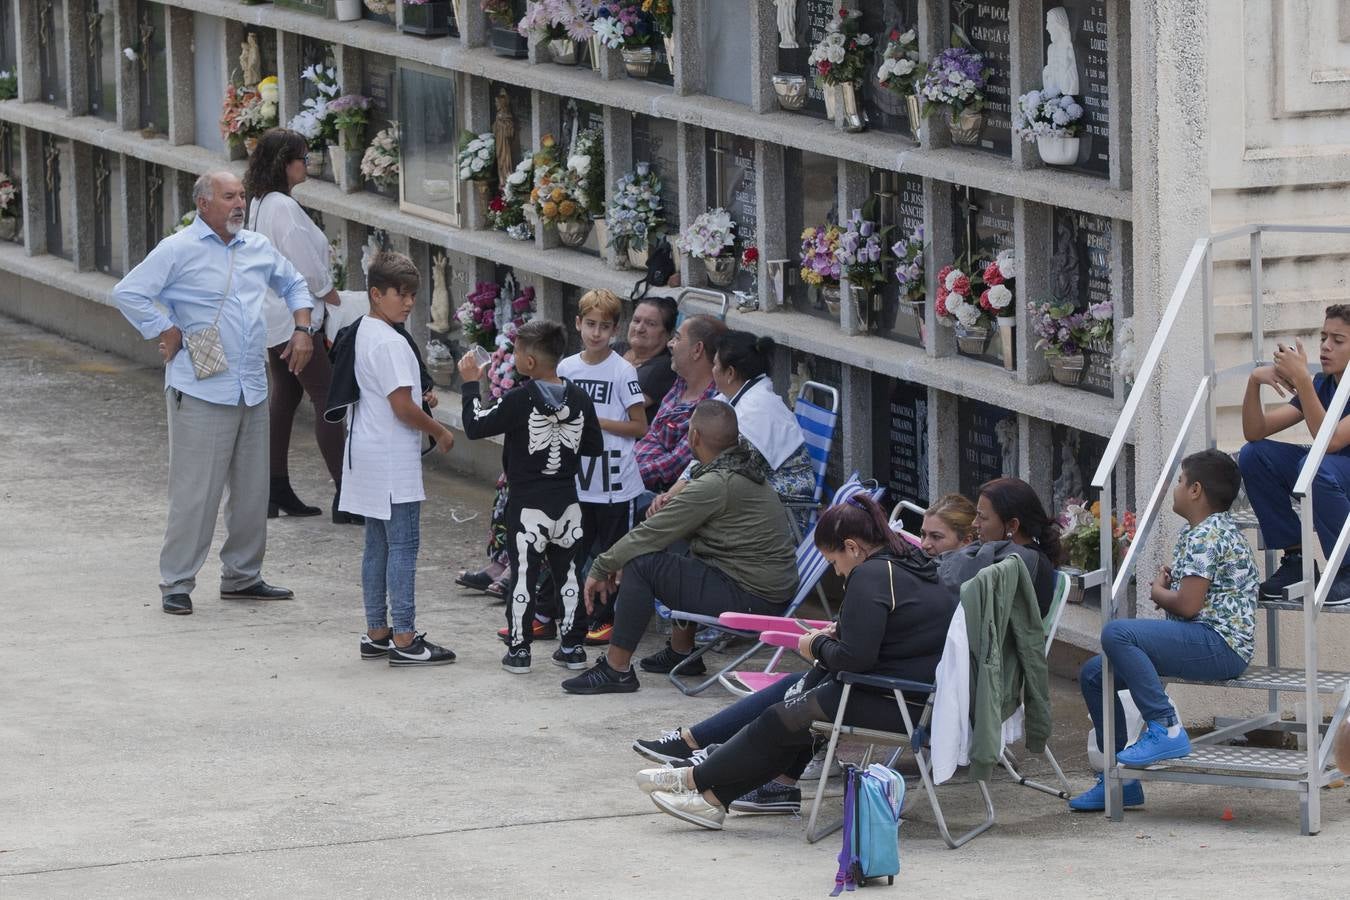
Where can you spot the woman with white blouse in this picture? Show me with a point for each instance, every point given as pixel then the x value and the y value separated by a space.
pixel 278 165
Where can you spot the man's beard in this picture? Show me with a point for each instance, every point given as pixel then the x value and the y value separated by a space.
pixel 234 226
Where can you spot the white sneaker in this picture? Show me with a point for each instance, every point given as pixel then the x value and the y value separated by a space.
pixel 662 779
pixel 691 807
pixel 817 765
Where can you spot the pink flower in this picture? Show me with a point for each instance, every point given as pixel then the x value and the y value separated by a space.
pixel 992 275
pixel 962 286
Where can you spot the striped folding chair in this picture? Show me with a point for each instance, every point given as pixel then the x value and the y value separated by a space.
pixel 818 424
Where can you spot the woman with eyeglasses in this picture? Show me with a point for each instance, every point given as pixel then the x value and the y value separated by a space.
pixel 277 166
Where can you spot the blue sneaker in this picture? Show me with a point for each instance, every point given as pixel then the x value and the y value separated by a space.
pixel 1094 798
pixel 1155 746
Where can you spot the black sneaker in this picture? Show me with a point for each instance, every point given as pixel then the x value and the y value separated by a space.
pixel 698 758
pixel 1289 571
pixel 1339 595
pixel 373 649
pixel 517 660
pixel 668 659
pixel 601 679
pixel 667 749
pixel 421 652
pixel 771 799
pixel 573 658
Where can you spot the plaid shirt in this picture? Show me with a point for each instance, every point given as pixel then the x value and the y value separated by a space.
pixel 663 452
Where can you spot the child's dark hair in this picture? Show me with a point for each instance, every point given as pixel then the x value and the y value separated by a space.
pixel 542 338
pixel 1013 498
pixel 859 518
pixel 1339 311
pixel 749 355
pixel 390 269
pixel 1217 474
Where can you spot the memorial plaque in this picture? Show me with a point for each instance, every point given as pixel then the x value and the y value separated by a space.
pixel 1076 455
pixel 579 116
pixel 984 26
pixel 429 141
pixel 1082 273
pixel 379 80
pixel 1090 28
pixel 725 59
pixel 811 200
pixel 904 441
pixel 51 39
pixel 983 222
pixel 810 19
pixel 731 185
pixel 900 208
pixel 108 188
pixel 986 444
pixel 152 67
pixel 101 52
pixel 53 199
pixel 656 141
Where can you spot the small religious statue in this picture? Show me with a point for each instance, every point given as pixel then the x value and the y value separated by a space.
pixel 1006 434
pixel 1066 260
pixel 504 133
pixel 1069 485
pixel 1061 66
pixel 440 294
pixel 787 24
pixel 250 61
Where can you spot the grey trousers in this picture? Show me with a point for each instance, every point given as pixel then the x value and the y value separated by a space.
pixel 212 448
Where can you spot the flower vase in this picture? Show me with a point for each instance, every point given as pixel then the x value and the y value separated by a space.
pixel 601 229
pixel 864 306
pixel 427 19
pixel 972 340
pixel 1057 151
pixel 596 50
pixel 316 162
pixel 346 168
pixel 914 111
pixel 482 190
pixel 347 10
pixel 573 234
pixel 965 126
pixel 9 228
pixel 234 149
pixel 531 214
pixel 1067 370
pixel 668 41
pixel 638 62
pixel 563 52
pixel 1006 324
pixel 638 258
pixel 854 119
pixel 507 42
pixel 790 90
pixel 721 269
pixel 829 92
pixel 829 293
pixel 919 310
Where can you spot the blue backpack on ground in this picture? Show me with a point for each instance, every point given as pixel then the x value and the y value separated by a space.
pixel 873 799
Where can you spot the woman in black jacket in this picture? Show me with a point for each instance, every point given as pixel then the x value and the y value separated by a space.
pixel 893 622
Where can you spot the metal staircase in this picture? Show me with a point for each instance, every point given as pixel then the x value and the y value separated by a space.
pixel 1213 760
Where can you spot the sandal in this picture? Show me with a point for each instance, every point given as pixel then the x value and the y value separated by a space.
pixel 477 581
pixel 496 589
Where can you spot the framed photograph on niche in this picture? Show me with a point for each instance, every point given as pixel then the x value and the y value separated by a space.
pixel 428 128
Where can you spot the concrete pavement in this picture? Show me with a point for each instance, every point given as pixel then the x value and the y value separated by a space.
pixel 245 751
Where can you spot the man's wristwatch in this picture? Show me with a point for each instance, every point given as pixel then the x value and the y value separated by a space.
pixel 310 330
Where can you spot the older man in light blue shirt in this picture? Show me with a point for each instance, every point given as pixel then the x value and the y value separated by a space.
pixel 214 271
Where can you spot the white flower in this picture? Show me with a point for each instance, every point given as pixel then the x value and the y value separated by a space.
pixel 269 92
pixel 580 164
pixel 902 66
pixel 864 40
pixel 967 315
pixel 516 178
pixel 1000 297
pixel 1007 263
pixel 952 277
pixel 908 37
pixel 484 154
pixel 130 54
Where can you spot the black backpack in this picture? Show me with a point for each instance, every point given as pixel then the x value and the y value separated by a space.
pixel 660 267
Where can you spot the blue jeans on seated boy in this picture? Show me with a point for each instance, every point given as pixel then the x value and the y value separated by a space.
pixel 1269 470
pixel 1142 650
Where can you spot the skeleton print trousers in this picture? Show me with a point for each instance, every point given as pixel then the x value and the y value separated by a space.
pixel 544 538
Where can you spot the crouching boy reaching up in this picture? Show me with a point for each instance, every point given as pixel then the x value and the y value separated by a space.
pixel 1209 595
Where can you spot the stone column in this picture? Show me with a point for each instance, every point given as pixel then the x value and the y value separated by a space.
pixel 80 176
pixel 763 56
pixel 548 299
pixel 853 192
pixel 31 177
pixel 126 76
pixel 939 204
pixel 76 58
pixel 943 477
pixel 1119 83
pixel 934 34
pixel 178 43
pixel 478 119
pixel 288 75
pixel 688 67
pixel 855 420
pixel 770 201
pixel 1026 24
pixel 473 25
pixel 130 210
pixel 692 173
pixel 1122 301
pixel 1033 240
pixel 25 16
pixel 1035 455
pixel 618 148
pixel 547 115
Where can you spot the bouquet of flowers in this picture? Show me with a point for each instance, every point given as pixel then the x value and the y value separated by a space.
pixel 477 156
pixel 709 236
pixel 955 79
pixel 586 160
pixel 820 261
pixel 900 71
pixel 860 251
pixel 501 369
pixel 9 85
pixel 975 300
pixel 635 214
pixel 380 164
pixel 477 315
pixel 506 211
pixel 1047 114
pixel 1081 527
pixel 844 52
pixel 351 113
pixel 246 112
pixel 9 197
pixel 315 121
pixel 661 13
pixel 555 20
pixel 499 12
pixel 624 25
pixel 908 253
pixel 997 296
pixel 1062 329
pixel 557 195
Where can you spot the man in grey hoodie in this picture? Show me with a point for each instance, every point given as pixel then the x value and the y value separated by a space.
pixel 741 559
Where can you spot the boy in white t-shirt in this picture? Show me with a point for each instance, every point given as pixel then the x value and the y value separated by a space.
pixel 607 485
pixel 382 468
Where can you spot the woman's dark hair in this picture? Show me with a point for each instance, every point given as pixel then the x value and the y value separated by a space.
pixel 276 150
pixel 750 355
pixel 859 518
pixel 669 310
pixel 1013 498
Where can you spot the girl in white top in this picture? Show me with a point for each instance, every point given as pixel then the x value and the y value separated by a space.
pixel 278 165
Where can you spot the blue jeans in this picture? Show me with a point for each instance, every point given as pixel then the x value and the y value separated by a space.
pixel 1141 650
pixel 1269 470
pixel 389 565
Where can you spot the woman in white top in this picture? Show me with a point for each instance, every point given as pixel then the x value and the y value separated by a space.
pixel 277 165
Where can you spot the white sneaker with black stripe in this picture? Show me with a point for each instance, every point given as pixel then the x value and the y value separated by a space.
pixel 421 652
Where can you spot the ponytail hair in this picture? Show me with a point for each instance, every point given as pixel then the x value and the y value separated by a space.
pixel 750 355
pixel 860 519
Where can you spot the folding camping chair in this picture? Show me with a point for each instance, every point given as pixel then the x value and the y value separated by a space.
pixel 811 566
pixel 818 424
pixel 897 523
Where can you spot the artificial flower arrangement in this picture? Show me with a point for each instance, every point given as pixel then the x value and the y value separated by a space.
pixel 843 54
pixel 1062 329
pixel 662 13
pixel 477 156
pixel 908 253
pixel 9 197
pixel 557 195
pixel 9 85
pixel 710 235
pixel 956 79
pixel 315 121
pixel 586 161
pixel 636 213
pixel 501 368
pixel 861 255
pixel 975 299
pixel 557 20
pixel 506 211
pixel 900 71
pixel 819 253
pixel 1081 527
pixel 499 12
pixel 380 163
pixel 623 25
pixel 477 315
pixel 351 114
pixel 1047 114
pixel 249 111
pixel 750 257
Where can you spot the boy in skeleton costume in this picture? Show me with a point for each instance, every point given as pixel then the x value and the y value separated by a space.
pixel 548 424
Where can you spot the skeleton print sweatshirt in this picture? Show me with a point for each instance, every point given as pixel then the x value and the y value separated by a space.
pixel 546 429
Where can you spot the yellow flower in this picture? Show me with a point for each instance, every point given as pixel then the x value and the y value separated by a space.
pixel 567 209
pixel 558 195
pixel 549 209
pixel 810 276
pixel 534 195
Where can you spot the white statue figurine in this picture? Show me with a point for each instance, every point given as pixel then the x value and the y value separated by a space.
pixel 250 61
pixel 1061 66
pixel 787 24
pixel 440 295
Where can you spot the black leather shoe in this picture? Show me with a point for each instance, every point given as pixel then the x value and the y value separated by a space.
pixel 259 590
pixel 281 499
pixel 178 604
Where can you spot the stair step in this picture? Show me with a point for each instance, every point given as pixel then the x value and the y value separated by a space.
pixel 1271 678
pixel 1220 760
pixel 1297 606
